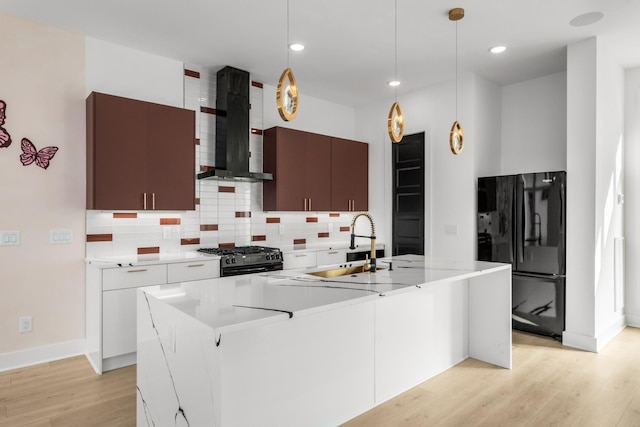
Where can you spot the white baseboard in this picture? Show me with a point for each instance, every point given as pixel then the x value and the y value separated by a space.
pixel 633 320
pixel 34 356
pixel 581 342
pixel 595 344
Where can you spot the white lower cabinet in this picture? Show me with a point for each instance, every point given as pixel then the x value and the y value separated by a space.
pixel 111 305
pixel 118 322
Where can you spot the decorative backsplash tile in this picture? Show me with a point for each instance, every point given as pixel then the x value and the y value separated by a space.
pixel 227 214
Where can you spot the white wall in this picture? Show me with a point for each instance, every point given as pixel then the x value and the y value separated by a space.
pixel 631 201
pixel 594 129
pixel 314 115
pixel 534 125
pixel 450 181
pixel 489 125
pixel 122 71
pixel 44 89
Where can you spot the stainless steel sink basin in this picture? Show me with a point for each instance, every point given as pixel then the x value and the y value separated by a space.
pixel 341 271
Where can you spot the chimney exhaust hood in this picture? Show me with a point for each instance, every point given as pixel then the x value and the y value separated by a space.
pixel 232 128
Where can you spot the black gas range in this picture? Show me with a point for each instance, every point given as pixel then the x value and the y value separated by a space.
pixel 246 259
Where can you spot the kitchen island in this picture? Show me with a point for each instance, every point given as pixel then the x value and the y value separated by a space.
pixel 290 348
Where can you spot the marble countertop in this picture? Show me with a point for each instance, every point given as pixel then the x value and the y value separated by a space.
pixel 237 302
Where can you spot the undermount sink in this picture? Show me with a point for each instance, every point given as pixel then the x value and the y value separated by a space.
pixel 341 271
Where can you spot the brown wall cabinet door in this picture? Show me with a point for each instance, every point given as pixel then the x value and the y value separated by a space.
pixel 117 142
pixel 172 158
pixel 301 165
pixel 139 155
pixel 350 175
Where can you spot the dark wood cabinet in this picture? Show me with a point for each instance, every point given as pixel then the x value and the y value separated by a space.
pixel 349 175
pixel 314 172
pixel 301 166
pixel 140 155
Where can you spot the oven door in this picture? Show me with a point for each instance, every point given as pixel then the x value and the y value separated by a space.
pixel 538 304
pixel 236 271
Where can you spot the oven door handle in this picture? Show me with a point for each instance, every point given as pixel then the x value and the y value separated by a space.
pixel 245 270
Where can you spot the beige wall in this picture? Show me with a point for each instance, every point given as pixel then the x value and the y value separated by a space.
pixel 42 81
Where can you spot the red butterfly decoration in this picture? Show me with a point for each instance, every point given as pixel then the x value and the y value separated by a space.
pixel 5 138
pixel 41 157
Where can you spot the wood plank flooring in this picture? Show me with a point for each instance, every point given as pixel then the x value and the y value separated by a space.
pixel 550 385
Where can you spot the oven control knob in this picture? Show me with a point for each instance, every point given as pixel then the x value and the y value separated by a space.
pixel 228 261
pixel 268 257
pixel 233 260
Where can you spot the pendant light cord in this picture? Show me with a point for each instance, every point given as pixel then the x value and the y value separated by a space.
pixel 456 70
pixel 288 34
pixel 395 48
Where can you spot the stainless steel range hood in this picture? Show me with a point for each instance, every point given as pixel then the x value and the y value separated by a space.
pixel 232 128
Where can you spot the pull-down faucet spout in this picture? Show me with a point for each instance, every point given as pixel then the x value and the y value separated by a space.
pixel 372 257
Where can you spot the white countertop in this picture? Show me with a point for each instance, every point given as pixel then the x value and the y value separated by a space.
pixel 133 260
pixel 237 302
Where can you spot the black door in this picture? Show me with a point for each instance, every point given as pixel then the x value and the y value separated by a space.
pixel 408 195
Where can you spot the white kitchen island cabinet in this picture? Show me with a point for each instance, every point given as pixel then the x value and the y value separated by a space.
pixel 291 349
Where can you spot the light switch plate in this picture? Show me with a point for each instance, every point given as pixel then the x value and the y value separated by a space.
pixel 60 236
pixel 450 229
pixel 10 238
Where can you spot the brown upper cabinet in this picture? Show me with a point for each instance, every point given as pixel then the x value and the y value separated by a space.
pixel 140 155
pixel 301 166
pixel 311 171
pixel 349 175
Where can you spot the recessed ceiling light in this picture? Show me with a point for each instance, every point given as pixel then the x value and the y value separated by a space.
pixel 498 49
pixel 586 19
pixel 296 47
pixel 394 83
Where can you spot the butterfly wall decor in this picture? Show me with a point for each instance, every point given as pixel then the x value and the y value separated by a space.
pixel 5 138
pixel 30 154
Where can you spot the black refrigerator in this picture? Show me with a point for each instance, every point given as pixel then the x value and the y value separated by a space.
pixel 521 221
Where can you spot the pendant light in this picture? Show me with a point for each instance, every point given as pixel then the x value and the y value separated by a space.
pixel 456 136
pixel 395 121
pixel 287 91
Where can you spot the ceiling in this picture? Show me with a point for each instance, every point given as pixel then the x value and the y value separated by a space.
pixel 349 55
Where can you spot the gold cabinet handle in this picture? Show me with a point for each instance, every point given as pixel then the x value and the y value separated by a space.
pixel 310 204
pixel 141 270
pixel 196 265
pixel 153 201
pixel 144 201
pixel 305 204
pixel 301 255
pixel 353 206
pixel 333 252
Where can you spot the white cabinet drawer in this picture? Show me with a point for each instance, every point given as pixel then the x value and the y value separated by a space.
pixel 131 277
pixel 299 259
pixel 195 270
pixel 331 256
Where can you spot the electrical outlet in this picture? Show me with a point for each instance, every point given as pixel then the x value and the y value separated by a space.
pixel 281 229
pixel 166 233
pixel 26 324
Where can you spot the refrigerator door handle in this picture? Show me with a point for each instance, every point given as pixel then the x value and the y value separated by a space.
pixel 538 275
pixel 520 219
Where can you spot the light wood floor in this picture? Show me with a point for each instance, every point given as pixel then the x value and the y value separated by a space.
pixel 550 385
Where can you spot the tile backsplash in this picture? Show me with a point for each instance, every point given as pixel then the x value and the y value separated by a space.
pixel 228 213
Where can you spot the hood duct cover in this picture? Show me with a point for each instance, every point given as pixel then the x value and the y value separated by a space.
pixel 232 128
